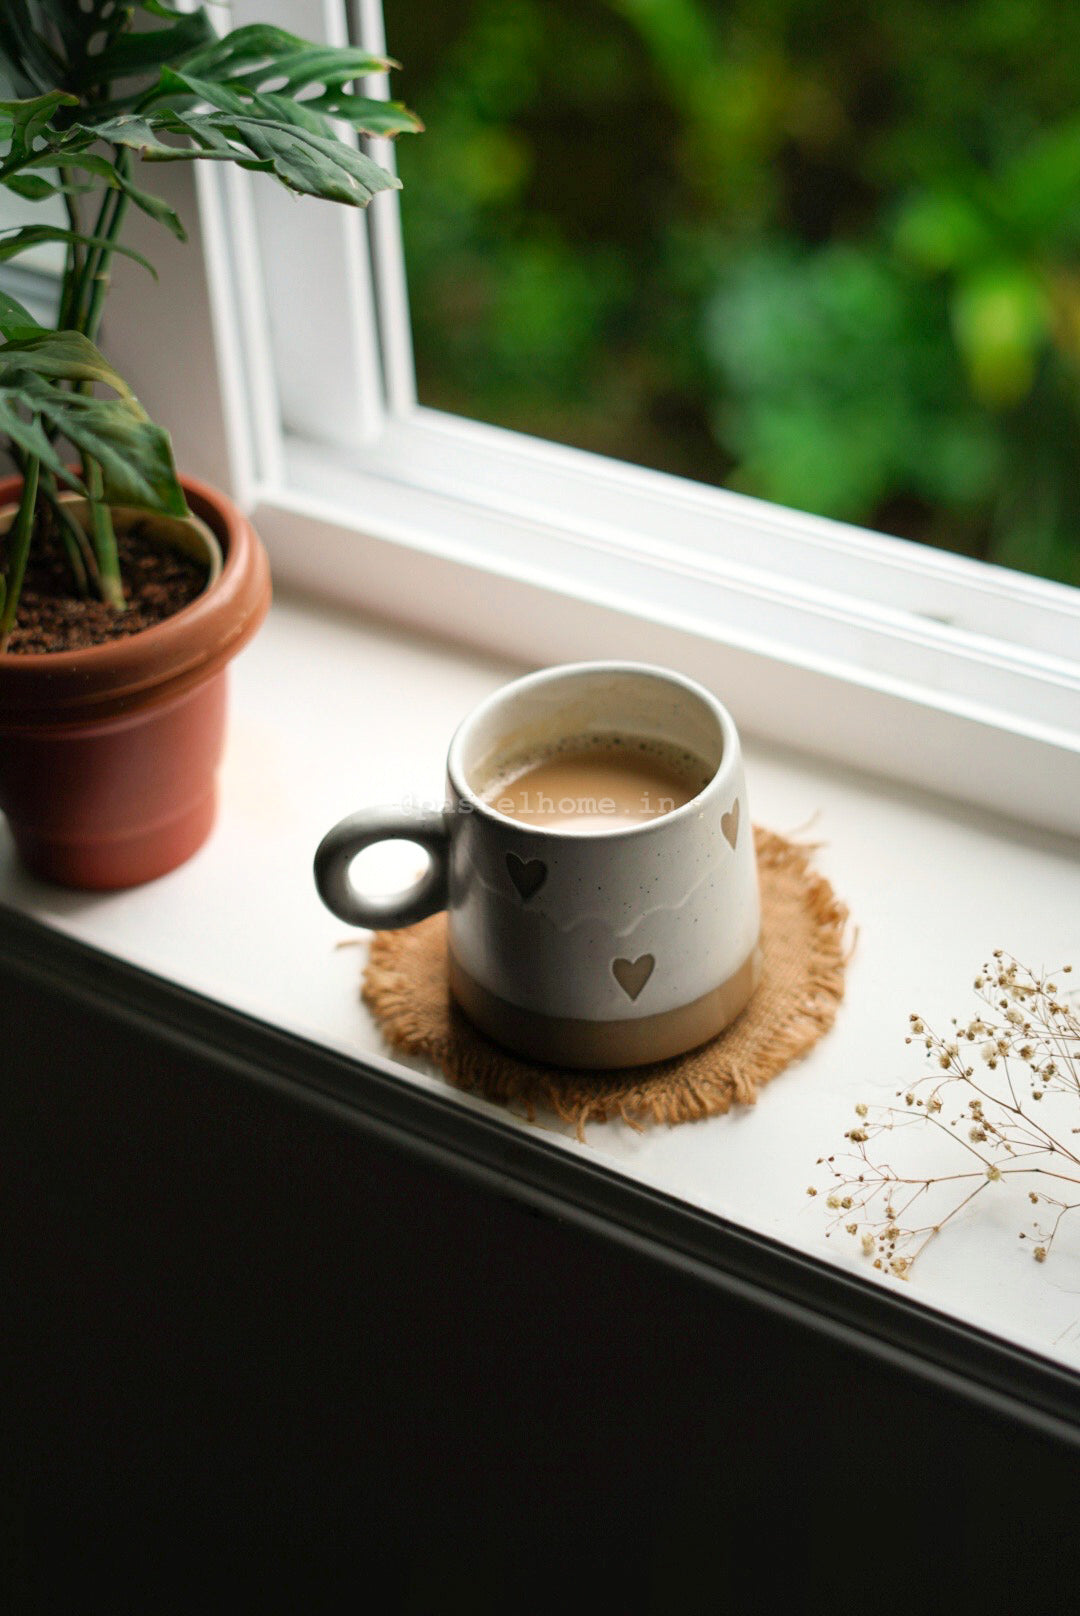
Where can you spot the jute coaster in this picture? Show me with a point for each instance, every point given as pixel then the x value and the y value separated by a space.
pixel 405 985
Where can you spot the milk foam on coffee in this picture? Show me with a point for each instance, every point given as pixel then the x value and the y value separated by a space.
pixel 590 784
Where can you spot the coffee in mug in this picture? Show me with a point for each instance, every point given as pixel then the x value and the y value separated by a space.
pixel 592 783
pixel 595 857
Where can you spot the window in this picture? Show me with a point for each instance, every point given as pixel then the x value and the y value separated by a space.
pixel 841 642
pixel 948 673
pixel 759 247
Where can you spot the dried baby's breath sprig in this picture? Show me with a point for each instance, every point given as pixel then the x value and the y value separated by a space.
pixel 1004 1088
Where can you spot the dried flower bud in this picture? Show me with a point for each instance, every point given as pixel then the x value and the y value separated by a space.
pixel 998 1121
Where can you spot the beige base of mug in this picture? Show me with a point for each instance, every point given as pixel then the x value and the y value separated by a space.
pixel 567 1041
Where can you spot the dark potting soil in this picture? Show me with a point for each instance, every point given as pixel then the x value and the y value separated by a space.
pixel 157 580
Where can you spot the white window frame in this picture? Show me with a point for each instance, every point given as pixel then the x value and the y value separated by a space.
pixel 879 653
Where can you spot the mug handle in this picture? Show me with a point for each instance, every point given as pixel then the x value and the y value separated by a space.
pixel 350 836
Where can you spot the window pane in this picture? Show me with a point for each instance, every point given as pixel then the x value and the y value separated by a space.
pixel 826 255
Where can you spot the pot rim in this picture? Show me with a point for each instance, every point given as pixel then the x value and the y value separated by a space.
pixel 56 687
pixel 212 551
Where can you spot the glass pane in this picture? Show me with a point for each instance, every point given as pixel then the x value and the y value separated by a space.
pixel 827 255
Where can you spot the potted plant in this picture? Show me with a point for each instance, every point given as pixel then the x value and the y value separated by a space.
pixel 125 589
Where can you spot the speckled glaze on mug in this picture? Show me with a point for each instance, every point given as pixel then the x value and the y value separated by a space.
pixel 584 949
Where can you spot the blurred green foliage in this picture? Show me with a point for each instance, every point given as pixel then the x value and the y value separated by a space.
pixel 825 254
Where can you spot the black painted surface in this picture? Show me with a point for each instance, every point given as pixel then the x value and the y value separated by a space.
pixel 263 1361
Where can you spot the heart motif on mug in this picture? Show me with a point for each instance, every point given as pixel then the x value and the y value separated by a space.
pixel 528 875
pixel 632 975
pixel 729 824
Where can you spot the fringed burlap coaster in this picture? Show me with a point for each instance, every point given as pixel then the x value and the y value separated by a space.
pixel 803 924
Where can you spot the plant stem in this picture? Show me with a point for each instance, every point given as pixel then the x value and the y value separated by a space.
pixel 20 549
pixel 104 539
pixel 86 305
pixel 80 553
pixel 96 275
pixel 73 269
pixel 83 292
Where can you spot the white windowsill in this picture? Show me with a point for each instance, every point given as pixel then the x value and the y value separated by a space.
pixel 330 712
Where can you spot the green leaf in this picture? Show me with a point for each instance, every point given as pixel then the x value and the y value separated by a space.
pixel 25 120
pixel 311 164
pixel 14 318
pixel 13 242
pixel 154 207
pixel 366 115
pixel 266 69
pixel 264 48
pixel 249 104
pixel 65 356
pixel 135 455
pixel 32 187
pixel 304 160
pixel 70 149
pixel 141 135
pixel 130 54
pixel 331 65
pixel 17 395
pixel 78 23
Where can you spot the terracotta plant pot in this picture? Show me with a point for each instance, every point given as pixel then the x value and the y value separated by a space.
pixel 108 755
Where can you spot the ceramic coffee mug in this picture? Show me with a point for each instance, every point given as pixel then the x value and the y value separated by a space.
pixel 602 949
